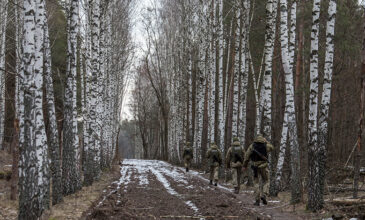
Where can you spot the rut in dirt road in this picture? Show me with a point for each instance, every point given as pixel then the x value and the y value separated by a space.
pixel 158 190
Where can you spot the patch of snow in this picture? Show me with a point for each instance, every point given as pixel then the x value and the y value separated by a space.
pixel 170 190
pixel 192 206
pixel 127 180
pixel 274 201
pixel 142 169
pixel 197 174
pixel 164 181
pixel 248 191
pixel 123 173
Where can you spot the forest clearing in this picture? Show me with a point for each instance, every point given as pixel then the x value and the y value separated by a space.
pixel 182 109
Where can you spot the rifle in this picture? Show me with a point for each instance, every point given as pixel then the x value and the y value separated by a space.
pixel 260 155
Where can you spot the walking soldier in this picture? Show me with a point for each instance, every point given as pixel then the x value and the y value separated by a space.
pixel 234 160
pixel 257 152
pixel 188 156
pixel 214 157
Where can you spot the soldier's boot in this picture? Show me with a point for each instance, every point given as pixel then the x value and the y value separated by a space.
pixel 211 182
pixel 257 203
pixel 215 184
pixel 236 190
pixel 187 169
pixel 264 201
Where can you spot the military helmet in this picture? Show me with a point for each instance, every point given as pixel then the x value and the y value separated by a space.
pixel 212 143
pixel 187 144
pixel 235 139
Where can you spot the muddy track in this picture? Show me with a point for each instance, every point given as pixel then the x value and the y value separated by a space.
pixel 158 190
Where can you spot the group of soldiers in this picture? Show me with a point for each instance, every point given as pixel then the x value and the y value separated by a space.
pixel 237 160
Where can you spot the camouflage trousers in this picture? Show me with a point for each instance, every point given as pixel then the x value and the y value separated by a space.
pixel 261 182
pixel 236 176
pixel 214 173
pixel 187 162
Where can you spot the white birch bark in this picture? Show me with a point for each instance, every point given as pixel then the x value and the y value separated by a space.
pixel 40 132
pixel 52 130
pixel 235 75
pixel 267 80
pixel 212 75
pixel 70 162
pixel 293 131
pixel 326 94
pixel 288 61
pixel 87 166
pixel 95 41
pixel 3 25
pixel 314 194
pixel 244 72
pixel 221 106
pixel 30 201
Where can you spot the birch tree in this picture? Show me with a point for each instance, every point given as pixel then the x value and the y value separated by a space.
pixel 289 131
pixel 52 131
pixel 314 192
pixel 33 164
pixel 3 25
pixel 326 94
pixel 70 162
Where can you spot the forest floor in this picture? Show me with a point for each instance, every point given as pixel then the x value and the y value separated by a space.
pixel 72 206
pixel 141 189
pixel 158 190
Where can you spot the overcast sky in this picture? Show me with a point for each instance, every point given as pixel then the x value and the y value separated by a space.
pixel 140 43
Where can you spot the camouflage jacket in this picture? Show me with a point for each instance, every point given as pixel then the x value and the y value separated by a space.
pixel 209 156
pixel 230 157
pixel 260 164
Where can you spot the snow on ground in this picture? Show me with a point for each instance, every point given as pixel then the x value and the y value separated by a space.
pixel 164 182
pixel 160 170
pixel 174 174
pixel 142 168
pixel 170 190
pixel 124 179
pixel 197 174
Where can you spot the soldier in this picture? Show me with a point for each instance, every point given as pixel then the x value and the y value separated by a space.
pixel 257 152
pixel 187 155
pixel 234 160
pixel 214 156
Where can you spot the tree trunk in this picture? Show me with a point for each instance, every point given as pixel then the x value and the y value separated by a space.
pixel 361 121
pixel 15 170
pixel 326 94
pixel 51 130
pixel 3 26
pixel 314 192
pixel 70 162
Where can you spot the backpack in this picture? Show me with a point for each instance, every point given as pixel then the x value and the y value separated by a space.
pixel 259 152
pixel 188 151
pixel 215 156
pixel 237 154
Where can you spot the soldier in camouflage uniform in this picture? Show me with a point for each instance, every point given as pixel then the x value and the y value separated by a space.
pixel 234 160
pixel 257 152
pixel 214 157
pixel 188 156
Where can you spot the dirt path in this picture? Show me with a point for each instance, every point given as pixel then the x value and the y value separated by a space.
pixel 158 190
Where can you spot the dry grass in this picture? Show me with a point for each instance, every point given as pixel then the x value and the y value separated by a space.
pixel 72 206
